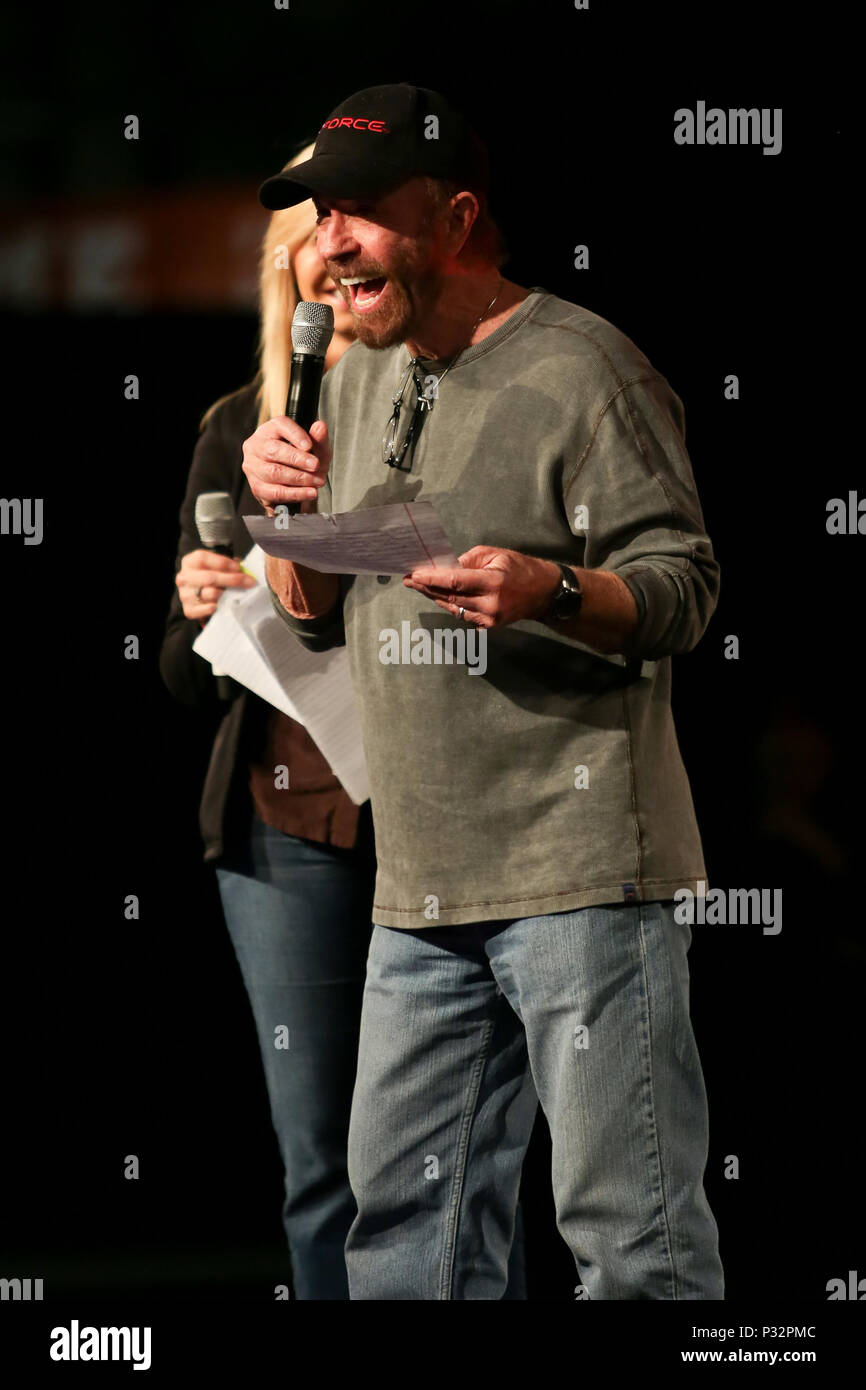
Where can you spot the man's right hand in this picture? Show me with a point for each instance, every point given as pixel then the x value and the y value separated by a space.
pixel 284 463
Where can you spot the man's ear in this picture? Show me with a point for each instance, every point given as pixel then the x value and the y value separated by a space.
pixel 464 211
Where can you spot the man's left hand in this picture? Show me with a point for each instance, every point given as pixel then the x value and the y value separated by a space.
pixel 493 587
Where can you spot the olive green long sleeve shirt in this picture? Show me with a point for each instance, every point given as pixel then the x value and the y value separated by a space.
pixel 551 779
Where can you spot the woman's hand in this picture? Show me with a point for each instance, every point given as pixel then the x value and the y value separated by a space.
pixel 201 579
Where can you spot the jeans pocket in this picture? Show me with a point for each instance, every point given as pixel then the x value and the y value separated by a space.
pixel 677 921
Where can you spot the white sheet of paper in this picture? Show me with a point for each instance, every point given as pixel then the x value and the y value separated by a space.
pixel 245 639
pixel 381 540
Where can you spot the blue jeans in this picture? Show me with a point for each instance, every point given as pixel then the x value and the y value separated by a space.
pixel 457 1023
pixel 298 914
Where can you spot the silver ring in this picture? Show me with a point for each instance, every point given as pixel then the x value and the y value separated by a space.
pixel 198 593
pixel 462 611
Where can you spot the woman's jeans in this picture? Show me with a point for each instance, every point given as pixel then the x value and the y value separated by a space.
pixel 457 1023
pixel 298 914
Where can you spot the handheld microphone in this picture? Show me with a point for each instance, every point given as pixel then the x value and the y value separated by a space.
pixel 214 519
pixel 312 330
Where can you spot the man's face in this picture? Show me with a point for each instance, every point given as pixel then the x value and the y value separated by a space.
pixel 394 244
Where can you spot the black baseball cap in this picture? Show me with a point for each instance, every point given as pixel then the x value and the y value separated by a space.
pixel 375 140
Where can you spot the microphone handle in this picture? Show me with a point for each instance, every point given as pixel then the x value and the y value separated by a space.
pixel 302 404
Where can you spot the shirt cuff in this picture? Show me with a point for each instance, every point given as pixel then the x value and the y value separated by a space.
pixel 658 600
pixel 325 625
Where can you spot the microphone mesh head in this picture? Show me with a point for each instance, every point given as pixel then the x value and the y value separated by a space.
pixel 312 327
pixel 214 518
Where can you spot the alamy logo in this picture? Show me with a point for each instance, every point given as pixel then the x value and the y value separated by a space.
pixel 22 516
pixel 755 126
pixel 20 1290
pixel 737 907
pixel 421 646
pixel 854 1289
pixel 846 520
pixel 101 1344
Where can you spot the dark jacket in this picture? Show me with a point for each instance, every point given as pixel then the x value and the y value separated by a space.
pixel 216 467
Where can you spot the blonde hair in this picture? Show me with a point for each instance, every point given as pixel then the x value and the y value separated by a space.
pixel 287 231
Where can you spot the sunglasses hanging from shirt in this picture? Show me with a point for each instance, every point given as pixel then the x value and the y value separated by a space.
pixel 423 404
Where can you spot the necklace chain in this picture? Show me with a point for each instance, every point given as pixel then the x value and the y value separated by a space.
pixel 423 401
pixel 426 402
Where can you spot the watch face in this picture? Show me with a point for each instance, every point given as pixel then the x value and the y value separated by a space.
pixel 569 598
pixel 567 604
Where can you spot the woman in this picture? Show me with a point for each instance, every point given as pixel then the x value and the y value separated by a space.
pixel 295 866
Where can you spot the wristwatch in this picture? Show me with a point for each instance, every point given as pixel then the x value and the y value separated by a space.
pixel 567 598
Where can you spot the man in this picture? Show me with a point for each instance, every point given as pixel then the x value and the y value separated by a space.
pixel 533 817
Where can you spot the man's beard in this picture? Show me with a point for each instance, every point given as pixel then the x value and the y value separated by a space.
pixel 411 291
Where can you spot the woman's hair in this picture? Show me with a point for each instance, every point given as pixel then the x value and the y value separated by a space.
pixel 287 230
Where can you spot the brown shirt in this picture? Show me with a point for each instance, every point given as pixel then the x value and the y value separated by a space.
pixel 314 805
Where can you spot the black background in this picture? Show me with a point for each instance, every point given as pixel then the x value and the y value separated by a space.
pixel 715 261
